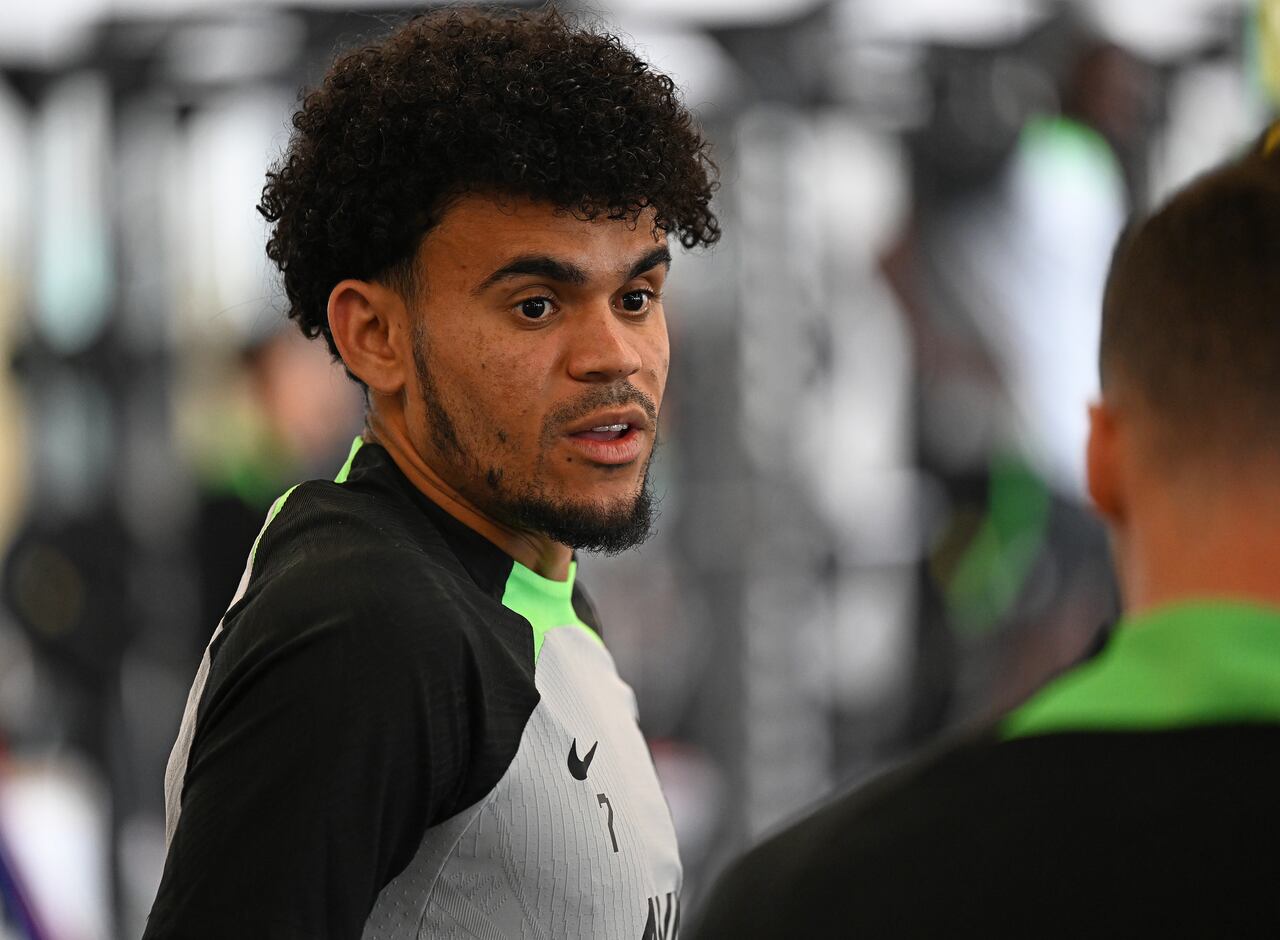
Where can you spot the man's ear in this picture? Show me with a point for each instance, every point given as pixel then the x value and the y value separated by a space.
pixel 369 323
pixel 1104 462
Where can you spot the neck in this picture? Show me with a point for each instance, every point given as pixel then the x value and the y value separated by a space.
pixel 1212 542
pixel 531 549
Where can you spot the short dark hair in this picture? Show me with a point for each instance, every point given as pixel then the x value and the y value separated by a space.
pixel 462 100
pixel 1191 313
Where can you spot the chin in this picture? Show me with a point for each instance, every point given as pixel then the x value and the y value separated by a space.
pixel 607 524
pixel 599 484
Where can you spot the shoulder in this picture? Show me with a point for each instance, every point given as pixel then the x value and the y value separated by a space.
pixel 901 802
pixel 1005 838
pixel 360 575
pixel 363 553
pixel 358 623
pixel 856 857
pixel 339 531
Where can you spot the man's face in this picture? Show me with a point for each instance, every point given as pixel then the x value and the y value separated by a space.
pixel 541 354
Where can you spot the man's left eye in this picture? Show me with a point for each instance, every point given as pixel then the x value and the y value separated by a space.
pixel 635 301
pixel 535 308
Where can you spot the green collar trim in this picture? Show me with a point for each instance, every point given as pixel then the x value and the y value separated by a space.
pixel 1194 663
pixel 546 604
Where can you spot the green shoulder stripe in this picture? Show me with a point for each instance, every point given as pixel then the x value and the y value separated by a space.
pixel 280 501
pixel 271 514
pixel 351 458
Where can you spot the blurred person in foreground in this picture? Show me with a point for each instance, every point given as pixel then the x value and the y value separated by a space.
pixel 1135 794
pixel 406 723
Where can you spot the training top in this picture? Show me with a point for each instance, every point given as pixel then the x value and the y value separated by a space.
pixel 1135 796
pixel 397 731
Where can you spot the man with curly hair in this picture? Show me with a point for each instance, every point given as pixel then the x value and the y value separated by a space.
pixel 406 724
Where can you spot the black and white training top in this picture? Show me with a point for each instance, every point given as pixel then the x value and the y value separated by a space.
pixel 398 731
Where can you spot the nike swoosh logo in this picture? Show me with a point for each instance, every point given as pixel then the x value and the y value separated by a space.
pixel 579 766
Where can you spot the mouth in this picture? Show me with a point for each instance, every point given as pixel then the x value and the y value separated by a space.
pixel 606 432
pixel 614 439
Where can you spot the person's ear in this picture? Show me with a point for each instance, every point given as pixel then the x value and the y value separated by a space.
pixel 1104 462
pixel 367 321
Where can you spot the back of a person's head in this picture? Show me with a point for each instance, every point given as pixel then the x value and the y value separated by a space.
pixel 1191 316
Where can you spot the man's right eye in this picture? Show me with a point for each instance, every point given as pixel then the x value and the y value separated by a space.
pixel 535 308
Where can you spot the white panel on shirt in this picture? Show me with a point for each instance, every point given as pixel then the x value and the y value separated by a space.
pixel 536 857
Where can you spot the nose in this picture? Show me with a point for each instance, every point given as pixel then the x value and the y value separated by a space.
pixel 603 348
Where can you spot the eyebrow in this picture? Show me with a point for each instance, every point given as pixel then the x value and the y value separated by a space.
pixel 566 272
pixel 659 256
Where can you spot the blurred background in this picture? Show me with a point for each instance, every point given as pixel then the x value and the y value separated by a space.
pixel 873 527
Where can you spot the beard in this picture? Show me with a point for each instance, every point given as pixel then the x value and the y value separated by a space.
pixel 605 528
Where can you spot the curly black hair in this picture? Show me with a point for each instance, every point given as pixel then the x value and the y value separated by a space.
pixel 462 100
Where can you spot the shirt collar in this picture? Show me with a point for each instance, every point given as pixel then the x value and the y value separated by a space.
pixel 1209 661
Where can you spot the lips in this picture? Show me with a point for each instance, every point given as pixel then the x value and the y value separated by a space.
pixel 613 420
pixel 612 438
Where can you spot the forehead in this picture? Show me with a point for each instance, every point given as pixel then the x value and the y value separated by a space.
pixel 479 233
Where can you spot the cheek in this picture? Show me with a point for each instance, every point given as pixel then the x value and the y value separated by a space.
pixel 502 393
pixel 486 382
pixel 660 370
pixel 659 361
